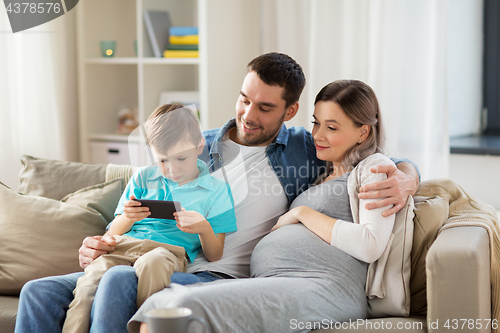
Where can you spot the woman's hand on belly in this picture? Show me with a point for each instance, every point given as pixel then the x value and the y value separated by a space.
pixel 319 223
pixel 289 217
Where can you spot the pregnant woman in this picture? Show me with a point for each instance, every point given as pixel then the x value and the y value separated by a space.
pixel 311 269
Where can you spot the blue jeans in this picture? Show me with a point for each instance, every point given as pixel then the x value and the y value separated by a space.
pixel 43 303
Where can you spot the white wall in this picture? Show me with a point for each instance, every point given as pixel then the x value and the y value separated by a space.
pixel 479 175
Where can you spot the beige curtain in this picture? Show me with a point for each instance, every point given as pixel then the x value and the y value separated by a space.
pixel 38 94
pixel 423 58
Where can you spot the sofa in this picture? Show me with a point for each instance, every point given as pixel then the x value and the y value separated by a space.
pixel 59 203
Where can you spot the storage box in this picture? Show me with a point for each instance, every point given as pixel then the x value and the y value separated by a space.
pixel 114 152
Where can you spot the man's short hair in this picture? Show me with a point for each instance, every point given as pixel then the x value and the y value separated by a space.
pixel 278 69
pixel 170 124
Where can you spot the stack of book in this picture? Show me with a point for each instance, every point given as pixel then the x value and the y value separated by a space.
pixel 183 43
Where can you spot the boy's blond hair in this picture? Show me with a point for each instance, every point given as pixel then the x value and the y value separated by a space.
pixel 170 124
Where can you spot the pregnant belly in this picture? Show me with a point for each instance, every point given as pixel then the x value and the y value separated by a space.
pixel 295 251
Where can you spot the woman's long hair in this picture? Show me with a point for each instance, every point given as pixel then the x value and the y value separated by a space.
pixel 360 104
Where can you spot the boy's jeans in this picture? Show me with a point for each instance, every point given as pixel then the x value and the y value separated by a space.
pixel 43 303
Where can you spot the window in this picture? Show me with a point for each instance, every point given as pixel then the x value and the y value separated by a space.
pixel 491 69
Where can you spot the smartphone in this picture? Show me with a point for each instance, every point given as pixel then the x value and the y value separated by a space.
pixel 161 209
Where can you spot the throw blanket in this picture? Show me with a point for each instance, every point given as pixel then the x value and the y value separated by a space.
pixel 114 171
pixel 469 211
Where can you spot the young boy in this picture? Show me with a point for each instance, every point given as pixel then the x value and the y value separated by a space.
pixel 158 247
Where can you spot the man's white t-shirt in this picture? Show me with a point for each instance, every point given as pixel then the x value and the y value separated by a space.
pixel 259 201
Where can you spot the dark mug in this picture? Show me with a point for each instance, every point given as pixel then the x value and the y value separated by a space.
pixel 174 320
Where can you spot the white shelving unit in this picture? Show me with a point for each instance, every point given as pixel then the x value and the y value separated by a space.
pixel 228 39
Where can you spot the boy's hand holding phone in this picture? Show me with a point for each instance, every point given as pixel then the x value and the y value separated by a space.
pixel 134 211
pixel 192 222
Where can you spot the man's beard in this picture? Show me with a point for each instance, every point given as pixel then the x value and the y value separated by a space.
pixel 257 140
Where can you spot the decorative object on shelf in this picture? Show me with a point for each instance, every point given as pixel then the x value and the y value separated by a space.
pixel 157 25
pixel 128 120
pixel 183 43
pixel 187 98
pixel 108 48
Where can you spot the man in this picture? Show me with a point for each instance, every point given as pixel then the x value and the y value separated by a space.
pixel 266 165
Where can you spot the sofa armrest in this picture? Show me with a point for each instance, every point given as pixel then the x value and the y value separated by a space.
pixel 458 281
